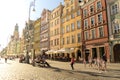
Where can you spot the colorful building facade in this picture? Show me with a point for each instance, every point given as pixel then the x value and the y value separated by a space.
pixel 36 45
pixel 95 29
pixel 71 28
pixel 44 30
pixel 55 27
pixel 114 29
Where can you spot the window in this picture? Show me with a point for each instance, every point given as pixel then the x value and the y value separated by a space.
pixel 55 42
pixel 51 42
pixel 92 21
pixel 114 9
pixel 101 33
pixel 91 9
pixel 55 32
pixel 58 41
pixel 72 27
pixel 99 18
pixel 67 28
pixel 86 35
pixel 67 10
pixel 63 41
pixel 68 40
pixel 72 15
pixel 67 18
pixel 73 39
pixel 67 4
pixel 57 21
pixel 72 8
pixel 85 12
pixel 51 24
pixel 93 34
pixel 99 5
pixel 78 24
pixel 116 28
pixel 78 37
pixel 63 30
pixel 85 23
pixel 78 13
pixel 63 20
pixel 51 34
pixel 71 1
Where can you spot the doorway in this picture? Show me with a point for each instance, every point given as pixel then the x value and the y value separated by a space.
pixel 116 50
pixel 101 51
pixel 78 54
pixel 87 52
pixel 94 53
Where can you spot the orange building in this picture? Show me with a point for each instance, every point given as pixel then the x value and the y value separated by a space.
pixel 71 28
pixel 55 25
pixel 36 45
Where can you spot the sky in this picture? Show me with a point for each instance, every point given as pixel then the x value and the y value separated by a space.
pixel 17 11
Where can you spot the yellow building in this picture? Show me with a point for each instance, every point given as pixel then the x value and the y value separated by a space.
pixel 13 46
pixel 36 45
pixel 55 24
pixel 22 45
pixel 71 27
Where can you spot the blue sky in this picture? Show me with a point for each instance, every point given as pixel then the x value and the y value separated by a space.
pixel 16 11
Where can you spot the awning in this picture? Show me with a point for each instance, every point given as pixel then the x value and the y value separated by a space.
pixel 64 50
pixel 43 49
pixel 50 51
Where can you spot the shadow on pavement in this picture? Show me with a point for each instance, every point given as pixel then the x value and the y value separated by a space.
pixel 95 74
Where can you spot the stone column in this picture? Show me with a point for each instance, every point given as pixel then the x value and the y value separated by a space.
pixel 98 52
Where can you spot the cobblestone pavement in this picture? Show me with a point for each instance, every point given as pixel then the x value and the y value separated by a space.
pixel 13 70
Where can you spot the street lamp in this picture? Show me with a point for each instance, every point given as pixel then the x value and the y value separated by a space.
pixel 32 4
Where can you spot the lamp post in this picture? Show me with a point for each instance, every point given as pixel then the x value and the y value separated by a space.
pixel 32 4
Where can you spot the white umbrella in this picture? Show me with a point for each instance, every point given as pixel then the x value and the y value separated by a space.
pixel 64 50
pixel 49 52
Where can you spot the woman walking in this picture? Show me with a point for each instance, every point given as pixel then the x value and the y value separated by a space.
pixel 72 62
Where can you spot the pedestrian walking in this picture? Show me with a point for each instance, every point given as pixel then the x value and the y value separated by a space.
pixel 95 62
pixel 84 62
pixel 90 61
pixel 27 58
pixel 99 64
pixel 72 62
pixel 104 61
pixel 5 59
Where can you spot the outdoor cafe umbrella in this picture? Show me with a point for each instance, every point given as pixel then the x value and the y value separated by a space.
pixel 64 50
pixel 50 51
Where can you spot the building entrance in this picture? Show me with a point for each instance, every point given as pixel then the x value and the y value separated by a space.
pixel 116 50
pixel 101 51
pixel 94 53
pixel 78 54
pixel 87 52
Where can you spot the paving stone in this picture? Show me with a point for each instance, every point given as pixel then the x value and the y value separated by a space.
pixel 13 70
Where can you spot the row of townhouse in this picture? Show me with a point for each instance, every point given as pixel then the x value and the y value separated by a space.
pixel 88 27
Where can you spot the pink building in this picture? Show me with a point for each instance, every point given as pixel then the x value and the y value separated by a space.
pixel 95 29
